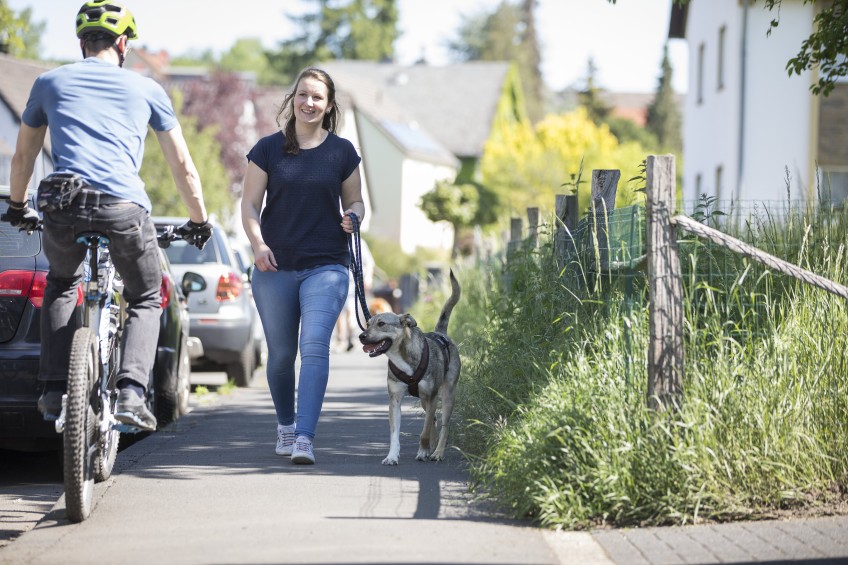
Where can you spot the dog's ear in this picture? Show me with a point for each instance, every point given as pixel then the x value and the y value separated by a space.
pixel 408 321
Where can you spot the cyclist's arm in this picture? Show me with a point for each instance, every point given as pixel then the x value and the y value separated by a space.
pixel 29 143
pixel 185 174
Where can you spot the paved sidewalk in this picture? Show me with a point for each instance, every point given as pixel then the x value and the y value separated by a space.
pixel 211 490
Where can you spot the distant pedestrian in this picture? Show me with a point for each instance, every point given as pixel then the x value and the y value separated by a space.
pixel 306 175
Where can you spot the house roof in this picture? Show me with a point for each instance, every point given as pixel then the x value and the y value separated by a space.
pixel 18 78
pixel 677 21
pixel 455 104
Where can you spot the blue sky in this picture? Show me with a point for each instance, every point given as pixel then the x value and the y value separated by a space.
pixel 624 40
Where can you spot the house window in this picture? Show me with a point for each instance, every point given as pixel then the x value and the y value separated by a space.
pixel 700 74
pixel 722 32
pixel 718 182
pixel 834 185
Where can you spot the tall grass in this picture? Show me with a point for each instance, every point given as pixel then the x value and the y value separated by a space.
pixel 552 403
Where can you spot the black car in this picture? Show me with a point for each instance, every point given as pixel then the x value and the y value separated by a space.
pixel 23 274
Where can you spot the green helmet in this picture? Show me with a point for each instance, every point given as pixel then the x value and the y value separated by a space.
pixel 98 16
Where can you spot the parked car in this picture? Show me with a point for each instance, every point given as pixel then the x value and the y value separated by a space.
pixel 244 258
pixel 223 315
pixel 175 349
pixel 23 274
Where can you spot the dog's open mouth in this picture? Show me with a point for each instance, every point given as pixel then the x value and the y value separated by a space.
pixel 375 349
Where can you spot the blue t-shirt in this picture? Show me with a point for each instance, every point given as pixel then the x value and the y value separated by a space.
pixel 98 114
pixel 302 215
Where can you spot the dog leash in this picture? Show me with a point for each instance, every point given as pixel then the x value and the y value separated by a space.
pixel 354 244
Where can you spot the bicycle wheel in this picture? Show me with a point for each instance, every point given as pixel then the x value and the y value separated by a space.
pixel 107 442
pixel 79 438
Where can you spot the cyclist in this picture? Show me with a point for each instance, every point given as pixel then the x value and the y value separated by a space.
pixel 98 114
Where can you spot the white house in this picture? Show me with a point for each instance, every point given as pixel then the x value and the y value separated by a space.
pixel 746 121
pixel 417 125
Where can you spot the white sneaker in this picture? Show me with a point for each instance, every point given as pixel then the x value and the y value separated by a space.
pixel 302 453
pixel 285 439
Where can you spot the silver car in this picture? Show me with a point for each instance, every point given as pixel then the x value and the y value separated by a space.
pixel 223 315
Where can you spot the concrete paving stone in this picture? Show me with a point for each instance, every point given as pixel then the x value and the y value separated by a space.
pixel 619 548
pixel 684 545
pixel 753 544
pixel 809 534
pixel 790 545
pixel 652 546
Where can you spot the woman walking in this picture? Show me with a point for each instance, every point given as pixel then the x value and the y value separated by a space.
pixel 306 175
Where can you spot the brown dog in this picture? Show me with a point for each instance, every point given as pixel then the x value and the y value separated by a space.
pixel 425 365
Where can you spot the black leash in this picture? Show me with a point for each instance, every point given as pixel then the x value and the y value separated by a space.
pixel 354 244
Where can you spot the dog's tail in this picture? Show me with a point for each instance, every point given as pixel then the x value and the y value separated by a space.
pixel 444 317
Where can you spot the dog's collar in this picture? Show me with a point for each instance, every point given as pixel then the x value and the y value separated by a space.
pixel 413 380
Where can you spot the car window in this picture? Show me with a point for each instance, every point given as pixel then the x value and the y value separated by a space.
pixel 181 253
pixel 16 243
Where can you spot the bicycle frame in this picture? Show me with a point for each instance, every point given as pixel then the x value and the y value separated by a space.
pixel 99 297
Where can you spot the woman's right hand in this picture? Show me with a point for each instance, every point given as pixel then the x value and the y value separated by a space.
pixel 264 259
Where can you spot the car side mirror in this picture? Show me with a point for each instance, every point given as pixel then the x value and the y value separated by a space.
pixel 192 282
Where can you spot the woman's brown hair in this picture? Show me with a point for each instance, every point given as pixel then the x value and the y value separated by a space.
pixel 287 108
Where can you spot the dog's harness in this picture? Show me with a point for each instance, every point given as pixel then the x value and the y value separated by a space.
pixel 415 378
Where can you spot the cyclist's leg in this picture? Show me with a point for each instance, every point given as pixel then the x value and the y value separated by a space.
pixel 135 253
pixel 59 319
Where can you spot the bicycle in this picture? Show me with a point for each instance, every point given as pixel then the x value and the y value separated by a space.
pixel 90 432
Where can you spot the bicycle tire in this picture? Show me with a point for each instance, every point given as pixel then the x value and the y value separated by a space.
pixel 79 438
pixel 107 443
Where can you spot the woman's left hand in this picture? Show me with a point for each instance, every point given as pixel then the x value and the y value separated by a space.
pixel 347 223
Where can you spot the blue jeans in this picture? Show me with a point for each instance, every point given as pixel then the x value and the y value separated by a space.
pixel 135 254
pixel 309 300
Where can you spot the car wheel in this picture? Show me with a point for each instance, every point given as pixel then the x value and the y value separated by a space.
pixel 241 371
pixel 183 381
pixel 257 355
pixel 168 393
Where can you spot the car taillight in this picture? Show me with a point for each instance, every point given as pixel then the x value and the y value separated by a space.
pixel 165 289
pixel 28 284
pixel 229 287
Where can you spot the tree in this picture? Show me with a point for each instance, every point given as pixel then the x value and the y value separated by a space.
pixel 247 54
pixel 463 205
pixel 664 119
pixel 825 49
pixel 206 154
pixel 526 165
pixel 221 101
pixel 507 34
pixel 590 96
pixel 14 28
pixel 355 29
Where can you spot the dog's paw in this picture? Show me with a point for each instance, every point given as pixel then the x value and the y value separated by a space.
pixel 423 455
pixel 437 456
pixel 390 460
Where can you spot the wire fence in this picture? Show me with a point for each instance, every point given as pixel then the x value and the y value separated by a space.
pixel 721 257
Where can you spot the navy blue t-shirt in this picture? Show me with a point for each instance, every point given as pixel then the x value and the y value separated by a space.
pixel 302 215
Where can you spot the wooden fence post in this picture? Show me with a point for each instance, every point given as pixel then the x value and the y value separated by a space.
pixel 665 349
pixel 604 187
pixel 515 229
pixel 566 212
pixel 533 226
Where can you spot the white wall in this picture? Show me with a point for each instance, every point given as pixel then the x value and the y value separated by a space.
pixel 778 110
pixel 419 178
pixel 779 126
